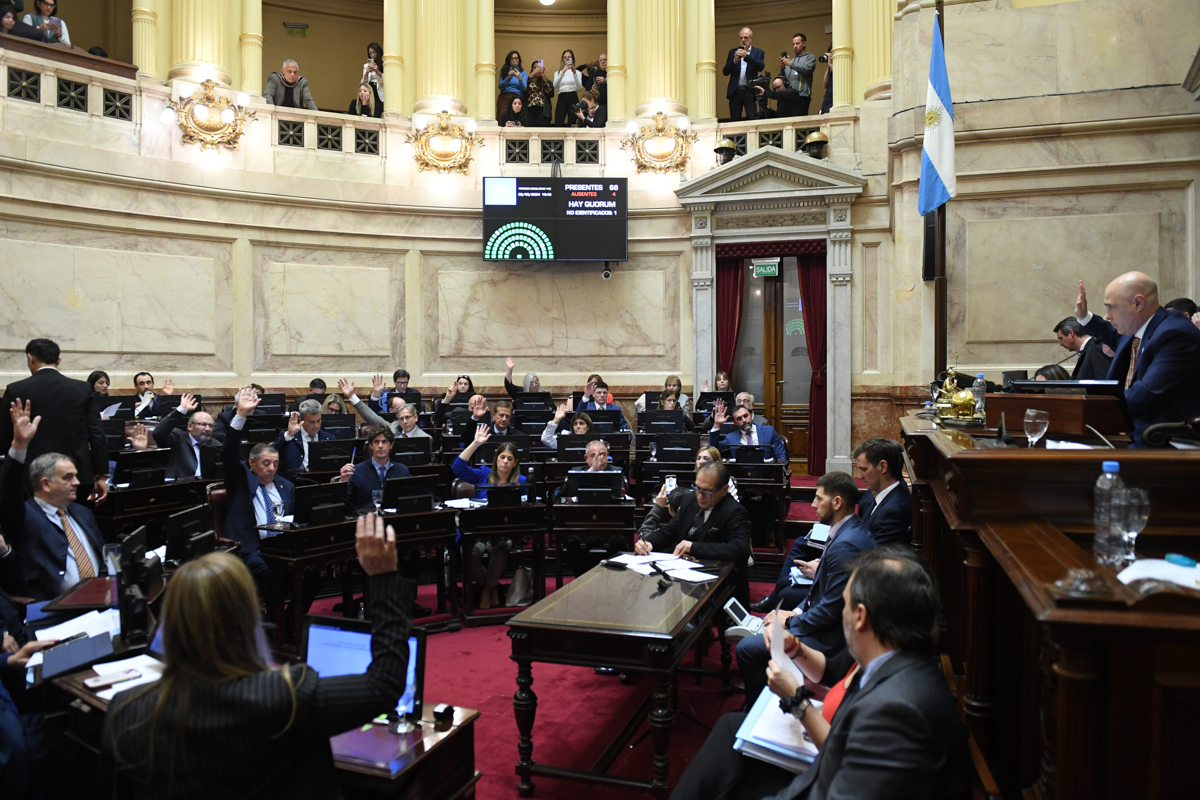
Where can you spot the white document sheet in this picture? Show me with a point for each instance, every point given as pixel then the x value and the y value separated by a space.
pixel 150 667
pixel 782 729
pixel 92 623
pixel 691 575
pixel 1161 570
pixel 1055 444
pixel 777 653
pixel 631 558
pixel 108 412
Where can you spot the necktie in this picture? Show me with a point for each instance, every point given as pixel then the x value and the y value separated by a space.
pixel 1133 351
pixel 691 537
pixel 304 446
pixel 382 469
pixel 82 560
pixel 267 504
pixel 196 449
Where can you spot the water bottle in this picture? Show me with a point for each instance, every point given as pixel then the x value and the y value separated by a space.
pixel 979 388
pixel 1107 546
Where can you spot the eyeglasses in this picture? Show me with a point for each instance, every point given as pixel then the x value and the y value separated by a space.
pixel 708 492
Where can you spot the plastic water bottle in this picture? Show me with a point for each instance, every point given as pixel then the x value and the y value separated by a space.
pixel 979 389
pixel 1107 545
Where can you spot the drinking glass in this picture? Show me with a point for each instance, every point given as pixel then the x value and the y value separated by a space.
pixel 278 512
pixel 654 451
pixel 1130 513
pixel 377 498
pixel 1036 422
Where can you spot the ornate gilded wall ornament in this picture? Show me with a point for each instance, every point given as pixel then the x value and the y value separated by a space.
pixel 444 146
pixel 210 121
pixel 660 146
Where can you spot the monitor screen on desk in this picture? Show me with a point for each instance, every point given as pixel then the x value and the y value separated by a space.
pixel 343 647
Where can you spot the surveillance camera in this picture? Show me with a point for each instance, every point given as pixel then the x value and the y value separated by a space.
pixel 606 274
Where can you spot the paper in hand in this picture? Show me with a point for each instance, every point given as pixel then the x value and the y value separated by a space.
pixel 778 655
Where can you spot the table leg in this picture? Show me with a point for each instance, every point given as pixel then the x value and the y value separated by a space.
pixel 525 709
pixel 662 719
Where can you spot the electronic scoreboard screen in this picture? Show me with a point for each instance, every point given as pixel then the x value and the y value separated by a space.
pixel 555 219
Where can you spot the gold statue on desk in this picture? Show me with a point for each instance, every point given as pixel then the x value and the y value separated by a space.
pixel 955 403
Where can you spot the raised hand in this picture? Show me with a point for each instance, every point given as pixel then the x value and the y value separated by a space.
pixel 482 434
pixel 1081 308
pixel 247 401
pixel 704 385
pixel 508 362
pixel 660 499
pixel 719 415
pixel 346 387
pixel 375 545
pixel 293 425
pixel 139 437
pixel 377 384
pixel 188 402
pixel 24 428
pixel 449 394
pixel 169 387
pixel 560 412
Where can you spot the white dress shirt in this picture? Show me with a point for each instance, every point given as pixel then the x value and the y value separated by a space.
pixel 879 497
pixel 751 438
pixel 260 510
pixel 71 575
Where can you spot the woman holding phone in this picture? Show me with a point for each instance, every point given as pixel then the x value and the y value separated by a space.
pixel 568 82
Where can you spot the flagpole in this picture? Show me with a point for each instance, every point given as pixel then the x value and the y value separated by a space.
pixel 940 311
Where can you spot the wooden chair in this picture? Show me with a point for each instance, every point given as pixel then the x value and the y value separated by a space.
pixel 219 502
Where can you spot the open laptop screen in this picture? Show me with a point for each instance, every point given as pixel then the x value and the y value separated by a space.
pixel 336 651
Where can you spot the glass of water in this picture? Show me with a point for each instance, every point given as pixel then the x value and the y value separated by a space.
pixel 278 512
pixel 1130 513
pixel 654 451
pixel 377 498
pixel 1036 422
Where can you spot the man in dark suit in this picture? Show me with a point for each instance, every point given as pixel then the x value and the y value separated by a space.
pixel 252 490
pixel 365 477
pixel 748 433
pixel 896 733
pixel 817 621
pixel 184 431
pixel 69 414
pixel 226 415
pixel 56 538
pixel 1157 351
pixel 316 391
pixel 709 525
pixel 790 103
pixel 147 403
pixel 887 510
pixel 1093 362
pixel 599 402
pixel 742 64
pixel 304 427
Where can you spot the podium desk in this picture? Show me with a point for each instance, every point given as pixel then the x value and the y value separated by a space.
pixel 615 519
pixel 126 509
pixel 518 523
pixel 623 620
pixel 1075 686
pixel 769 483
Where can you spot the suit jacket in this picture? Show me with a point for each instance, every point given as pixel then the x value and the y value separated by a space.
pixel 754 65
pixel 152 409
pixel 170 432
pixel 70 422
pixel 221 423
pixel 590 405
pixel 40 544
pixel 1092 363
pixel 240 487
pixel 899 736
pixel 366 480
pixel 291 454
pixel 599 118
pixel 256 735
pixel 724 537
pixel 1166 377
pixel 891 522
pixel 371 418
pixel 767 437
pixel 820 616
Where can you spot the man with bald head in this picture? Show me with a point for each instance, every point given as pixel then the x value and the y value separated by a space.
pixel 1157 351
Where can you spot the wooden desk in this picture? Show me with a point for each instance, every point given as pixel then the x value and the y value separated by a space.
pixel 769 483
pixel 1071 691
pixel 519 523
pixel 126 509
pixel 623 620
pixel 589 520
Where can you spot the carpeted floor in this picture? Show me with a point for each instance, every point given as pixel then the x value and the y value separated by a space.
pixel 579 712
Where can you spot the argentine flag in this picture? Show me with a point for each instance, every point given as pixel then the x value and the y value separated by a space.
pixel 938 183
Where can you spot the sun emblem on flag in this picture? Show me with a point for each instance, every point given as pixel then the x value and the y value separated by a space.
pixel 934 116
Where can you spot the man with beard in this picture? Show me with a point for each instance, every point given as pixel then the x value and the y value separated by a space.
pixel 748 433
pixel 817 621
pixel 185 441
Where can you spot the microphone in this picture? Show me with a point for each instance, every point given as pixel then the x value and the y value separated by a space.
pixel 1068 358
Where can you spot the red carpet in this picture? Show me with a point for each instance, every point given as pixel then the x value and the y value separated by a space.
pixel 579 712
pixel 810 481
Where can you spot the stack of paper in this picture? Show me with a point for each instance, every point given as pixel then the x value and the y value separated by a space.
pixel 92 623
pixel 150 667
pixel 772 736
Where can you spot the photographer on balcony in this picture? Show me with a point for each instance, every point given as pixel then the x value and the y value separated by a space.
pixel 590 114
pixel 798 70
pixel 742 65
pixel 790 103
pixel 595 79
pixel 827 81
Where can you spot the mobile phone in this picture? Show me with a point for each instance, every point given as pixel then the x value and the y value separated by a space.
pixel 670 483
pixel 783 54
pixel 104 681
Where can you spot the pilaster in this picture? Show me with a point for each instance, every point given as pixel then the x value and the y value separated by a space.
pixel 617 73
pixel 393 61
pixel 660 84
pixel 879 49
pixel 145 37
pixel 705 109
pixel 704 297
pixel 197 40
pixel 251 43
pixel 485 67
pixel 839 451
pixel 440 56
pixel 843 56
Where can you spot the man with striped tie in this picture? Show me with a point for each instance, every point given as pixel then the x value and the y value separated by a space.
pixel 56 538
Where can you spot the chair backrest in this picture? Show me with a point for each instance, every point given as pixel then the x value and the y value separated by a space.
pixel 220 508
pixel 461 489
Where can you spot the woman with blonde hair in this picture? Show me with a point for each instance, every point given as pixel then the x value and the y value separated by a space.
pixel 367 103
pixel 223 722
pixel 671 384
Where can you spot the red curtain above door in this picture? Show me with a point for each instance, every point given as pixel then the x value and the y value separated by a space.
pixel 731 279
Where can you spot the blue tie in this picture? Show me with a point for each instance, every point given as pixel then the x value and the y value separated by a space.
pixel 383 470
pixel 267 504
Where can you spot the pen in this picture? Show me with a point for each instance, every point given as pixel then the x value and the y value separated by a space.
pixel 353 454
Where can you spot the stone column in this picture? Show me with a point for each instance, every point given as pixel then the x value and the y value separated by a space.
pixel 440 56
pixel 660 74
pixel 879 32
pixel 251 42
pixel 485 65
pixel 843 56
pixel 145 37
pixel 706 63
pixel 197 40
pixel 393 61
pixel 617 70
pixel 839 452
pixel 704 296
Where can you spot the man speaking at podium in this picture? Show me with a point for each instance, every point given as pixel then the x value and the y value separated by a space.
pixel 1157 351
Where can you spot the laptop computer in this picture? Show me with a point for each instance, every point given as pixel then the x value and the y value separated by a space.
pixel 340 646
pixel 750 453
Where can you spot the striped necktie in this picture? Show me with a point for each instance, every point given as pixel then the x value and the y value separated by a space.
pixel 267 504
pixel 1133 351
pixel 83 561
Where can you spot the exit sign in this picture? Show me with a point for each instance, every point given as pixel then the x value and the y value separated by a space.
pixel 766 269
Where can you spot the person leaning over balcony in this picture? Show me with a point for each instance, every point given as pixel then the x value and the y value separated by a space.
pixel 288 89
pixel 539 97
pixel 367 104
pixel 53 29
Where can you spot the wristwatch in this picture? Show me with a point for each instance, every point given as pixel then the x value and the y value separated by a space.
pixel 797 704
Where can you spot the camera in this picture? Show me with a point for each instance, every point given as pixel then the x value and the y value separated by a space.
pixel 822 59
pixel 606 274
pixel 580 106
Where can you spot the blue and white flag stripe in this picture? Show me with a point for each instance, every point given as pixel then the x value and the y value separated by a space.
pixel 938 183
